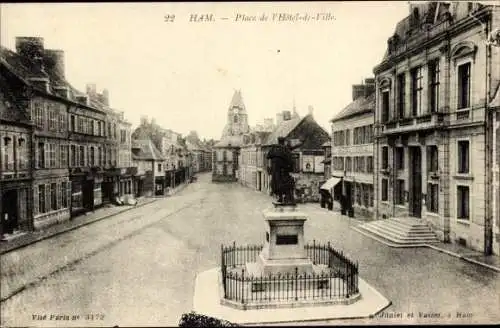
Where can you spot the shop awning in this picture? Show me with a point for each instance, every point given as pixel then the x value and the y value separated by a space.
pixel 330 183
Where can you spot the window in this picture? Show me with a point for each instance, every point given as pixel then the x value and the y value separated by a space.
pixel 433 197
pixel 385 106
pixel 433 164
pixel 92 156
pixel 385 191
pixel 38 114
pixel 8 153
pixel 434 86
pixel 358 193
pixel 369 164
pixel 123 136
pixel 91 126
pixel 462 202
pixel 41 199
pixel 52 155
pixel 366 195
pixel 371 195
pixel 79 121
pixel 114 131
pixel 72 123
pixel 463 156
pixel 109 130
pixel 53 196
pixel 73 156
pixel 64 194
pixel 21 154
pixel 361 164
pixel 401 86
pixel 342 138
pixel 41 155
pixel 464 86
pixel 400 158
pixel 385 158
pixel 99 156
pixel 400 192
pixel 235 118
pixel 82 156
pixel 416 87
pixel 348 137
pixel 62 121
pixel 369 133
pixel 159 167
pixel 348 164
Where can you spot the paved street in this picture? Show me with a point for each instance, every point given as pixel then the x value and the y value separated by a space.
pixel 138 268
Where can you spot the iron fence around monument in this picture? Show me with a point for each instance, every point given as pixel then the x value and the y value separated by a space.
pixel 337 280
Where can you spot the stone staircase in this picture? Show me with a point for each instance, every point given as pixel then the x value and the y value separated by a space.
pixel 399 232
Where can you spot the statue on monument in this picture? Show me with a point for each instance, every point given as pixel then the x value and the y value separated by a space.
pixel 282 183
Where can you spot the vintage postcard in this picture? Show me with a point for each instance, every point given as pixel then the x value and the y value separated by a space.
pixel 249 163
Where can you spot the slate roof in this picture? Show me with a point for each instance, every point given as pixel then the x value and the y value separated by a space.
pixel 145 150
pixel 283 130
pixel 359 106
pixel 10 110
pixel 230 141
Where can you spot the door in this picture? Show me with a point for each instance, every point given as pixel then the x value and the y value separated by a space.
pixel 9 211
pixel 415 186
pixel 88 194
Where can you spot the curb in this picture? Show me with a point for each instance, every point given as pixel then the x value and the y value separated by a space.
pixel 73 228
pixel 439 249
pixel 41 238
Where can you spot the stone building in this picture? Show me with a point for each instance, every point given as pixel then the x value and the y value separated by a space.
pixel 226 151
pixel 150 165
pixel 433 158
pixel 16 171
pixel 352 151
pixel 308 158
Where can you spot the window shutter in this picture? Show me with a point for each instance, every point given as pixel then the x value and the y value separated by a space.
pixel 35 200
pixel 47 155
pixel 47 197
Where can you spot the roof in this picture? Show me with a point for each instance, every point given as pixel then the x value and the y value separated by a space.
pixel 283 130
pixel 145 150
pixel 25 69
pixel 230 141
pixel 237 100
pixel 327 144
pixel 10 109
pixel 359 106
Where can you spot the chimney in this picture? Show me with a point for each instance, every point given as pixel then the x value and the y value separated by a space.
pixel 287 115
pixel 31 48
pixel 105 97
pixel 91 89
pixel 279 118
pixel 369 87
pixel 358 90
pixel 310 110
pixel 54 60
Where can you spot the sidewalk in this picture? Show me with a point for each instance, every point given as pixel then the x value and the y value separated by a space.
pixel 491 261
pixel 82 220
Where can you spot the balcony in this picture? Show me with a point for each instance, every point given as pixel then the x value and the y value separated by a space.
pixel 416 123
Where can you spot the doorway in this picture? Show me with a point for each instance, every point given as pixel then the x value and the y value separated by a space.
pixel 88 194
pixel 415 185
pixel 9 211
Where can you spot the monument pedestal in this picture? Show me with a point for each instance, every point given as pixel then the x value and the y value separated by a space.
pixel 283 251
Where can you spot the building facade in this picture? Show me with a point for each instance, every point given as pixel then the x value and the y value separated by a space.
pixel 226 152
pixel 150 168
pixel 16 171
pixel 352 151
pixel 433 123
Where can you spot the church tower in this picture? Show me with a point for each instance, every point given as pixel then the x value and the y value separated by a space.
pixel 237 118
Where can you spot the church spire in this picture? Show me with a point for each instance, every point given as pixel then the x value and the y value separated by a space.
pixel 237 100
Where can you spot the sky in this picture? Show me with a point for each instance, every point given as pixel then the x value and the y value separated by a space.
pixel 183 73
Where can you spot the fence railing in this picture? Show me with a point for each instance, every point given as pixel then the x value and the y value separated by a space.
pixel 339 280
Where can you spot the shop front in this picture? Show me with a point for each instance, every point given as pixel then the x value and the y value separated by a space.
pixel 14 208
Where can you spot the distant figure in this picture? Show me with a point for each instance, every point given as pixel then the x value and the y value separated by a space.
pixel 282 183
